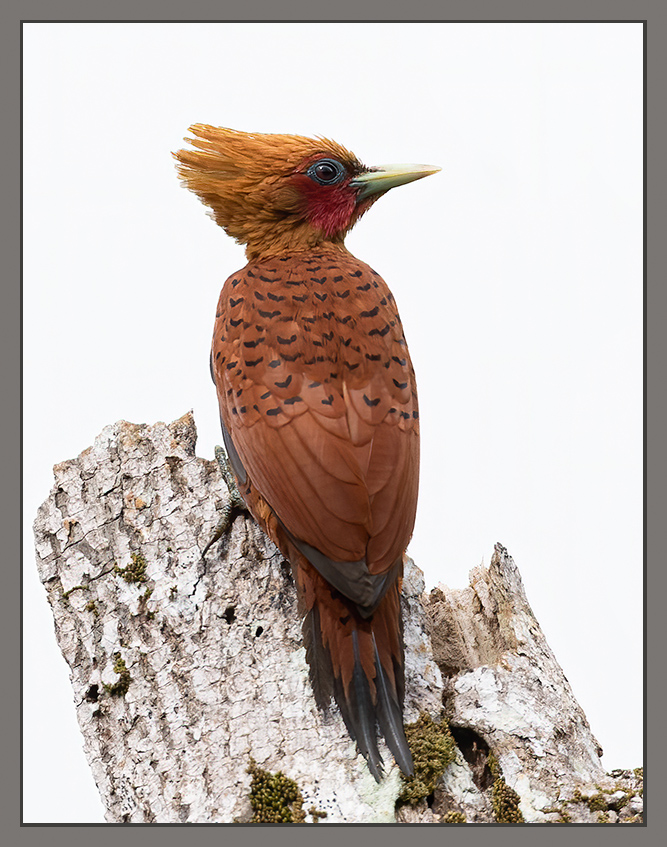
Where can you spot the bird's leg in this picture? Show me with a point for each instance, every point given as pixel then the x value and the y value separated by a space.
pixel 235 500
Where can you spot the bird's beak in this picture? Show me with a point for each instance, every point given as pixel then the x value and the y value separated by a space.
pixel 379 180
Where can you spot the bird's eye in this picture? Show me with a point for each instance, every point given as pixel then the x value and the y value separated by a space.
pixel 326 172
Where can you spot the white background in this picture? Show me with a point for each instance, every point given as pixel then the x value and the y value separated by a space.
pixel 517 270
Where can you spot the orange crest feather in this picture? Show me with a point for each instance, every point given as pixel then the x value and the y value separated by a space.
pixel 245 180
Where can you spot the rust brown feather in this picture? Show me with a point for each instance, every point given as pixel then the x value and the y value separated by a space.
pixel 318 404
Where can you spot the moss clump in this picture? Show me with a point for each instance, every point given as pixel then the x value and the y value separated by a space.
pixel 596 803
pixel 74 588
pixel 316 814
pixel 274 797
pixel 618 804
pixel 433 750
pixel 119 688
pixel 563 814
pixel 505 803
pixel 143 608
pixel 91 607
pixel 454 817
pixel 135 571
pixel 505 800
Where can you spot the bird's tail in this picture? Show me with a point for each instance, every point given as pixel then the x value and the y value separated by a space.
pixel 358 661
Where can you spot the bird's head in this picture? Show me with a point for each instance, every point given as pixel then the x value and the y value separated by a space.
pixel 283 193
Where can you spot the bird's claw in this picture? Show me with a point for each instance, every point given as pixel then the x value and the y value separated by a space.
pixel 235 500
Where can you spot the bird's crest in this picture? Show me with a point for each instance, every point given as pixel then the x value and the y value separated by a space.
pixel 257 189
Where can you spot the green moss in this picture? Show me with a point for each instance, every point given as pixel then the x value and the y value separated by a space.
pixel 274 797
pixel 91 607
pixel 74 588
pixel 563 815
pixel 135 571
pixel 433 750
pixel 505 803
pixel 617 805
pixel 142 604
pixel 560 808
pixel 316 814
pixel 601 801
pixel 596 803
pixel 119 688
pixel 454 817
pixel 505 800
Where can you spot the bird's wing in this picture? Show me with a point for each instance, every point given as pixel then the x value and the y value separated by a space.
pixel 318 396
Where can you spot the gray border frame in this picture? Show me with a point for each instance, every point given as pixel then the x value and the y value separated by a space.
pixel 651 11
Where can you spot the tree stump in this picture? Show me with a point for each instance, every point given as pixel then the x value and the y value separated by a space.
pixel 191 686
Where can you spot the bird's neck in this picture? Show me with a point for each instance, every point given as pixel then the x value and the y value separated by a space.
pixel 297 240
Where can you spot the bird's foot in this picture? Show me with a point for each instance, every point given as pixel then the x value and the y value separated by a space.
pixel 235 502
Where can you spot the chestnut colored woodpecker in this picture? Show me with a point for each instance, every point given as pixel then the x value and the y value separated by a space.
pixel 318 404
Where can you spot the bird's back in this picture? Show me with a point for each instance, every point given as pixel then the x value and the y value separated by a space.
pixel 317 391
pixel 319 408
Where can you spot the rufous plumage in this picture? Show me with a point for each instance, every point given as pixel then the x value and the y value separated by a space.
pixel 318 404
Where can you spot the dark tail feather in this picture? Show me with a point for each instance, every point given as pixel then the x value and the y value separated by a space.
pixel 360 662
pixel 319 660
pixel 363 714
pixel 390 718
pixel 358 713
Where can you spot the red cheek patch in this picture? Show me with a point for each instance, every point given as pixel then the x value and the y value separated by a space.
pixel 329 208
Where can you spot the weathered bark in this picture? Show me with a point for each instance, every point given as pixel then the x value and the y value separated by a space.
pixel 185 671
